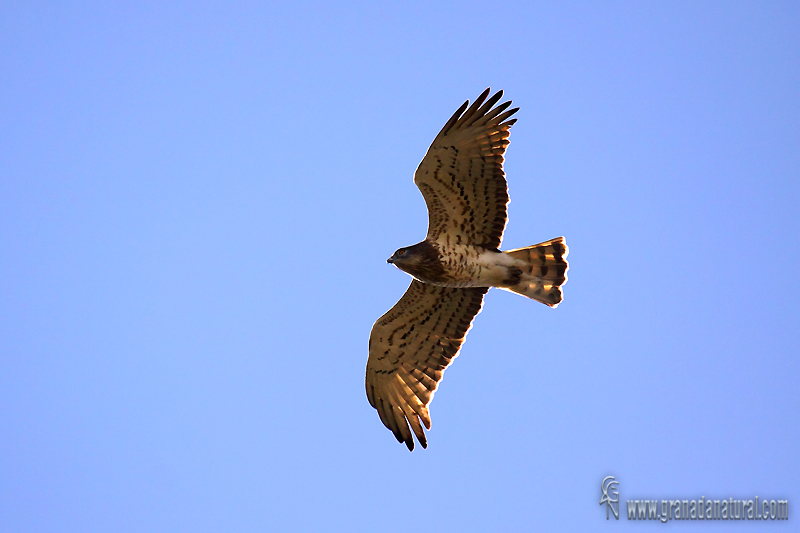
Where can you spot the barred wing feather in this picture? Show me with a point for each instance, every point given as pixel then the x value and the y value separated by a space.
pixel 461 177
pixel 410 347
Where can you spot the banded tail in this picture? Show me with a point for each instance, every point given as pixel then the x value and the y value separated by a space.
pixel 540 271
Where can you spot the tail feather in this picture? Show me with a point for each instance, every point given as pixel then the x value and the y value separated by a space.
pixel 540 271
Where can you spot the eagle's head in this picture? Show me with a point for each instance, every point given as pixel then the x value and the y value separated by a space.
pixel 421 261
pixel 400 257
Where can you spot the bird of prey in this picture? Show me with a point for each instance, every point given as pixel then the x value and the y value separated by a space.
pixel 464 186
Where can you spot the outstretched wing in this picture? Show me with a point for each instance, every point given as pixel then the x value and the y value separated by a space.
pixel 462 178
pixel 409 348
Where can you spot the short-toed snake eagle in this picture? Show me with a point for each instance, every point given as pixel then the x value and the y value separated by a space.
pixel 462 180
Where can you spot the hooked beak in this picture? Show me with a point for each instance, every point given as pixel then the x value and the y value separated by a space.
pixel 390 261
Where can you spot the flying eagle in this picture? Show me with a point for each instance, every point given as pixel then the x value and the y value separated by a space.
pixel 464 186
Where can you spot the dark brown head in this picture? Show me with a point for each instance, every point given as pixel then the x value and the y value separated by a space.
pixel 421 261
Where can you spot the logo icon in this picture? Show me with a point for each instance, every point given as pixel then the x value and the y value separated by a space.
pixel 610 483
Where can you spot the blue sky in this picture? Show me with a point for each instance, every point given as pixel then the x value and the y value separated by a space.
pixel 197 201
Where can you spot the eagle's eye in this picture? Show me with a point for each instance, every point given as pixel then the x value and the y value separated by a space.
pixel 401 251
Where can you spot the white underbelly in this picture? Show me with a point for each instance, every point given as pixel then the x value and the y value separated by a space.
pixel 476 267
